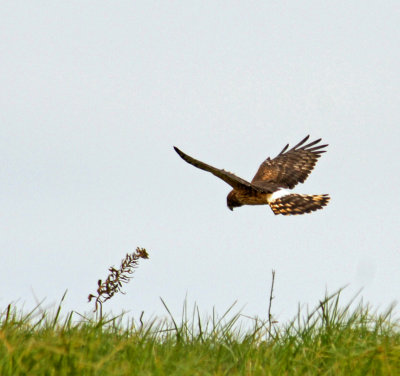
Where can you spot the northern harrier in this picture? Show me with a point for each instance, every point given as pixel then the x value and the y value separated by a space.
pixel 273 178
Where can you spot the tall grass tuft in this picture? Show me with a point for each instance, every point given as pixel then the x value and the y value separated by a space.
pixel 331 339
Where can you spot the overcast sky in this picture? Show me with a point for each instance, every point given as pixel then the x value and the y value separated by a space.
pixel 95 94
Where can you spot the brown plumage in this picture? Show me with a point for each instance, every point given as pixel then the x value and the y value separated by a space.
pixel 273 177
pixel 298 204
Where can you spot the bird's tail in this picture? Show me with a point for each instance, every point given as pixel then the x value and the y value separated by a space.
pixel 293 204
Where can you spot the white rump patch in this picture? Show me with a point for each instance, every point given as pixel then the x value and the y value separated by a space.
pixel 275 195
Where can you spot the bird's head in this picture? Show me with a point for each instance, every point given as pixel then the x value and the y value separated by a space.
pixel 232 200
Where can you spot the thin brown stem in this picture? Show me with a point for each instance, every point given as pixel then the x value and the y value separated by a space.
pixel 113 284
pixel 271 297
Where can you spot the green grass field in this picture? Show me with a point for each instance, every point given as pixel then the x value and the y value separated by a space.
pixel 328 340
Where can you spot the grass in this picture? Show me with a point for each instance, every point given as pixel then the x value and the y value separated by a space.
pixel 329 340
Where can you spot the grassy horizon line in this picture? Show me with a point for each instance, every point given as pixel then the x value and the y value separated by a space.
pixel 329 339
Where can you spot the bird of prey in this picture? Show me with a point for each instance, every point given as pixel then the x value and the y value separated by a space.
pixel 273 179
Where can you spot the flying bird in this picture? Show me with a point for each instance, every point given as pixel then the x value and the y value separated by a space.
pixel 273 179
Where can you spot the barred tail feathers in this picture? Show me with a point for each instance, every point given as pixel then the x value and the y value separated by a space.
pixel 293 204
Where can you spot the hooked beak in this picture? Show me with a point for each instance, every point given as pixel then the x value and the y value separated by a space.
pixel 230 208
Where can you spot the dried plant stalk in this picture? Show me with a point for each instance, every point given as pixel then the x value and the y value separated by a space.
pixel 113 284
pixel 271 297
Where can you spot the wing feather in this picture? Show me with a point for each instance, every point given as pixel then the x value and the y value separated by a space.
pixel 290 167
pixel 233 180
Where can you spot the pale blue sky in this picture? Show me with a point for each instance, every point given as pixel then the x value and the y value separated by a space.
pixel 94 94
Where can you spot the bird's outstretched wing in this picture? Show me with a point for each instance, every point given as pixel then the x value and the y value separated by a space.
pixel 289 167
pixel 233 180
